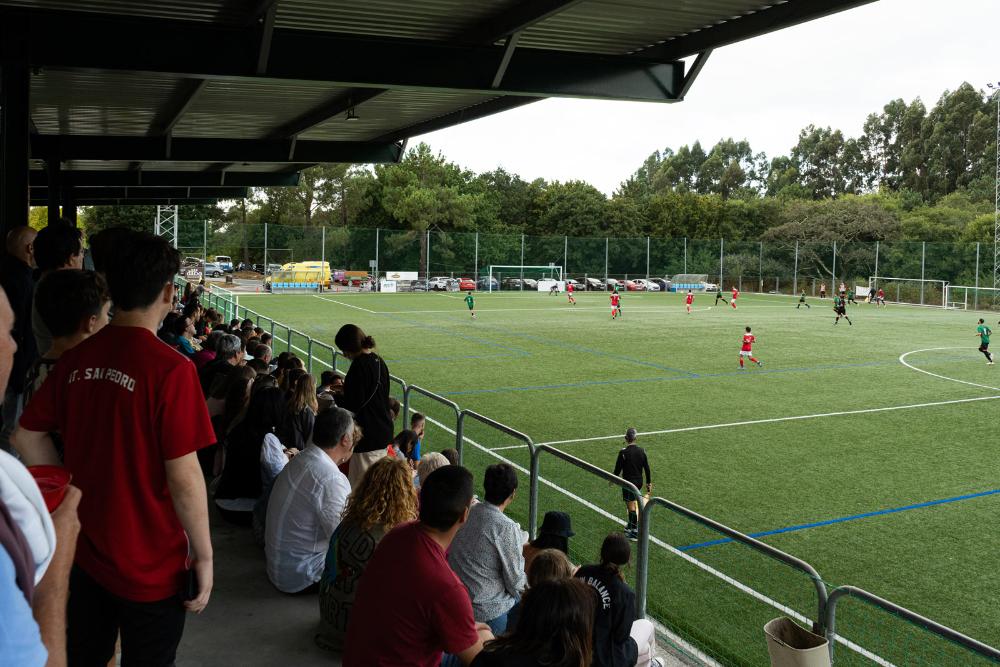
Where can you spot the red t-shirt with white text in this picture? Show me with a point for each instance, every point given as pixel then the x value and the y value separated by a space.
pixel 748 341
pixel 408 615
pixel 125 402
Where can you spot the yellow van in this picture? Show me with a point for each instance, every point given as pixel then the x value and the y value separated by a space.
pixel 300 274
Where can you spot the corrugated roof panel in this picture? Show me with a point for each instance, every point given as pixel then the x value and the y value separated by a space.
pixel 426 19
pixel 187 10
pixel 250 109
pixel 616 27
pixel 95 165
pixel 392 110
pixel 64 102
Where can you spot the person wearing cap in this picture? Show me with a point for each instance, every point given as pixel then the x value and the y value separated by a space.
pixel 630 466
pixel 554 533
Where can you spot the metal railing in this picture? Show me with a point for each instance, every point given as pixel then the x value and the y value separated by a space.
pixel 826 604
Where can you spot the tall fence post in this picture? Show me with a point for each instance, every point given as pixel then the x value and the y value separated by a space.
pixel 975 294
pixel 204 243
pixel 923 257
pixel 647 259
pixel 266 268
pixel 376 254
pixel 565 255
pixel 722 247
pixel 760 267
pixel 427 263
pixel 322 267
pixel 795 271
pixel 833 281
pixel 686 255
pixel 605 260
pixel 475 261
pixel 522 265
pixel 876 265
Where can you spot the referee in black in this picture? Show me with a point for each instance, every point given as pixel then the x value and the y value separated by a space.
pixel 631 464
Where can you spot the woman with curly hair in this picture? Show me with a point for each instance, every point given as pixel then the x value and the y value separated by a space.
pixel 383 499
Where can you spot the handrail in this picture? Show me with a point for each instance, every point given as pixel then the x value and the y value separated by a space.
pixel 402 383
pixel 503 428
pixel 735 535
pixel 434 397
pixel 936 628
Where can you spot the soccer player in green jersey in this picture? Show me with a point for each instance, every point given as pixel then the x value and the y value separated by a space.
pixel 802 301
pixel 984 332
pixel 470 301
pixel 840 309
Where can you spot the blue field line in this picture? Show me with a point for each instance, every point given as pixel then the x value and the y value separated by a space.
pixel 747 373
pixel 843 519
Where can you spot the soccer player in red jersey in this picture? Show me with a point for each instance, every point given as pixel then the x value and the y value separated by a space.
pixel 615 297
pixel 747 350
pixel 736 293
pixel 880 301
pixel 688 300
pixel 569 293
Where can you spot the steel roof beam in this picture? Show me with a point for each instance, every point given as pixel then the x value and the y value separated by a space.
pixel 764 21
pixel 324 112
pixel 171 113
pixel 513 20
pixel 76 40
pixel 95 193
pixel 136 202
pixel 151 149
pixel 159 179
pixel 461 116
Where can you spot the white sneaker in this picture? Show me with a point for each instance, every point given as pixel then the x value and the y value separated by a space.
pixel 655 662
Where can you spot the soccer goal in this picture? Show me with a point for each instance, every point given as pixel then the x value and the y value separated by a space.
pixel 914 291
pixel 520 276
pixel 965 297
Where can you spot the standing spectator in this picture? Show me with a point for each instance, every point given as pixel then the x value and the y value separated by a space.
pixel 384 499
pixel 486 554
pixel 430 610
pixel 306 503
pixel 58 246
pixel 619 639
pixel 74 305
pixel 137 469
pixel 17 281
pixel 555 629
pixel 554 533
pixel 366 394
pixel 301 413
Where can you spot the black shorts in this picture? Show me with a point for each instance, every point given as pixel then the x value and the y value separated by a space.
pixel 983 347
pixel 627 495
pixel 840 310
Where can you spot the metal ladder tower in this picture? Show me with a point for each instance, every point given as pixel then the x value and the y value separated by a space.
pixel 166 223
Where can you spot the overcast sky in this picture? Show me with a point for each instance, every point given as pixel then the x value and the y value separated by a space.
pixel 832 71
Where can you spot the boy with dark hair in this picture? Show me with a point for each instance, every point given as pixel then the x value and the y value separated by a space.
pixel 746 348
pixel 17 280
pixel 417 424
pixel 802 301
pixel 430 611
pixel 470 301
pixel 840 308
pixel 984 332
pixel 58 246
pixel 630 466
pixel 144 512
pixel 74 305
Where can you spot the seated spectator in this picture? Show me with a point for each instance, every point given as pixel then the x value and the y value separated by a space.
pixel 247 325
pixel 194 311
pixel 234 325
pixel 207 351
pixel 262 352
pixel 258 366
pixel 547 565
pixel 58 246
pixel 555 628
pixel 395 407
pixel 486 554
pixel 620 640
pixel 417 423
pixel 429 462
pixel 402 445
pixel 183 333
pixel 331 387
pixel 166 331
pixel 242 479
pixel 289 379
pixel 383 499
pixel 554 533
pixel 301 414
pixel 265 338
pixel 430 610
pixel 452 455
pixel 306 503
pixel 74 305
pixel 227 357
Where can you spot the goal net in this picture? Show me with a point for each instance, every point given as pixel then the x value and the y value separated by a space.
pixel 521 276
pixel 914 291
pixel 965 297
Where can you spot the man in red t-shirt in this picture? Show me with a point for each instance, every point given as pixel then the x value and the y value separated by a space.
pixel 411 615
pixel 132 416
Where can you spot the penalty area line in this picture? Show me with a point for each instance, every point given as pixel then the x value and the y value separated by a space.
pixel 671 549
pixel 771 420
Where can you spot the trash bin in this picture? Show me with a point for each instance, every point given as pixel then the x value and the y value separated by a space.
pixel 791 645
pixel 229 279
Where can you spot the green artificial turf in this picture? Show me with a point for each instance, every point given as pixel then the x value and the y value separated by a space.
pixel 559 372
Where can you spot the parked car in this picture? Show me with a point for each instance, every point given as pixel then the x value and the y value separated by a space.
pixel 418 286
pixel 439 284
pixel 646 285
pixel 612 284
pixel 593 284
pixel 225 262
pixel 466 284
pixel 663 283
pixel 530 283
pixel 511 283
pixel 213 270
pixel 710 287
pixel 488 284
pixel 451 285
pixel 628 286
pixel 577 287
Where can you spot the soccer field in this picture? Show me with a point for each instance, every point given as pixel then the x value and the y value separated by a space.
pixel 865 450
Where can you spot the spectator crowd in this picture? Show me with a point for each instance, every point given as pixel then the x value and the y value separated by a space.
pixel 157 407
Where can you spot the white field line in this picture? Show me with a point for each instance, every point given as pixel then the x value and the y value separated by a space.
pixel 341 303
pixel 660 543
pixel 902 360
pixel 772 420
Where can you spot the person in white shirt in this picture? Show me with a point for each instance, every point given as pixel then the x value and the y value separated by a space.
pixel 306 502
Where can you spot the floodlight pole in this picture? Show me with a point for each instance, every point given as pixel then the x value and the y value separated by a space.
pixel 996 195
pixel 722 248
pixel 605 260
pixel 647 259
pixel 795 271
pixel 376 255
pixel 565 253
pixel 475 260
pixel 265 251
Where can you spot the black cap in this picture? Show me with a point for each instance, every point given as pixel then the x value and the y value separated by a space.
pixel 631 435
pixel 556 523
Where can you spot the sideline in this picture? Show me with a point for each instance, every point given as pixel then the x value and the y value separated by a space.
pixel 672 550
pixel 341 303
pixel 771 420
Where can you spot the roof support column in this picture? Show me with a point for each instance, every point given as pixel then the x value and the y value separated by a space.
pixel 55 189
pixel 68 201
pixel 15 127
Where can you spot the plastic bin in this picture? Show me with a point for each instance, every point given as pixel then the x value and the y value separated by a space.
pixel 791 645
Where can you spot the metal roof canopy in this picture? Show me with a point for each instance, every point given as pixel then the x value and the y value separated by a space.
pixel 219 95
